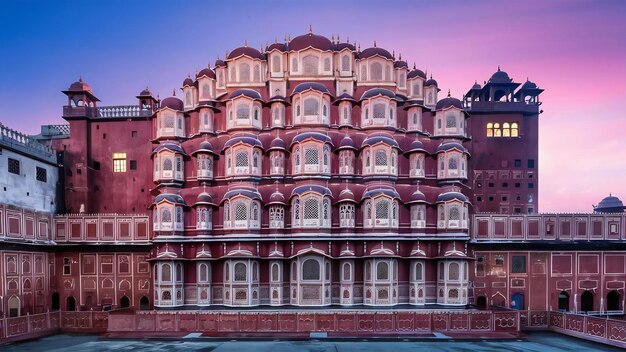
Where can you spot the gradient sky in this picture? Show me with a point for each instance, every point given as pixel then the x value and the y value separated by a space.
pixel 575 50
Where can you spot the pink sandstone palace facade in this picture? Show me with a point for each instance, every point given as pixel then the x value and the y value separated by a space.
pixel 311 173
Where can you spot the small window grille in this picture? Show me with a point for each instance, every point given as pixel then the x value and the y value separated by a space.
pixel 241 211
pixel 241 160
pixel 381 158
pixel 311 209
pixel 42 174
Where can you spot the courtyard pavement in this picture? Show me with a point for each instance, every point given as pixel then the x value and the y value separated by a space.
pixel 536 342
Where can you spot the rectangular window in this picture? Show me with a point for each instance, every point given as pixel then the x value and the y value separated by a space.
pixel 505 184
pixel 42 174
pixel 505 198
pixel 67 266
pixel 517 210
pixel 490 184
pixel 517 184
pixel 531 163
pixel 518 264
pixel 14 166
pixel 479 199
pixel 499 260
pixel 133 165
pixel 119 162
pixel 133 134
pixel 518 162
pixel 531 185
pixel 491 198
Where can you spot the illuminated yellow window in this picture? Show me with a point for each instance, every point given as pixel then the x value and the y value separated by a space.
pixel 514 130
pixel 490 129
pixel 497 132
pixel 506 130
pixel 119 162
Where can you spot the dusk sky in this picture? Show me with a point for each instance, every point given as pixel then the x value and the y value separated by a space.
pixel 575 50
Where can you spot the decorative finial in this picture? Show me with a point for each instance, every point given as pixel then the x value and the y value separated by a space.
pixel 226 56
pixel 275 39
pixel 399 56
pixel 285 39
pixel 498 68
pixel 174 92
pixel 332 38
pixel 448 93
pixel 374 43
pixel 80 78
pixel 414 65
pixel 348 40
pixel 393 53
pixel 245 43
pixel 310 29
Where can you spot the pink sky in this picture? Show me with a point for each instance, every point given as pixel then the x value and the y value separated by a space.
pixel 575 50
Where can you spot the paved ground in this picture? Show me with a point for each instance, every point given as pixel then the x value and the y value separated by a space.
pixel 536 342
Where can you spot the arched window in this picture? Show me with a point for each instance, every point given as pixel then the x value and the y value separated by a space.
pixel 327 64
pixel 311 209
pixel 243 111
pixel 416 88
pixel 419 272
pixel 453 164
pixel 506 130
pixel 450 121
pixel 363 73
pixel 166 273
pixel 382 209
pixel 241 159
pixel 453 271
pixel 490 129
pixel 294 64
pixel 206 94
pixel 179 214
pixel 241 211
pixel 276 63
pixel 166 215
pixel 255 212
pixel 275 269
pixel 311 270
pixel 382 271
pixel 497 132
pixel 241 272
pixel 311 156
pixel 296 210
pixel 244 72
pixel 368 271
pixel 376 71
pixel 311 106
pixel 514 129
pixel 167 164
pixel 381 157
pixel 203 275
pixel 326 210
pixel 379 111
pixel 441 270
pixel 347 272
pixel 257 73
pixel 345 63
pixel 310 65
pixel 455 213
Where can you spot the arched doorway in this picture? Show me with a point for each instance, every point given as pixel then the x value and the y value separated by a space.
pixel 56 301
pixel 124 302
pixel 563 301
pixel 517 301
pixel 70 304
pixel 612 300
pixel 586 301
pixel 14 307
pixel 144 303
pixel 481 302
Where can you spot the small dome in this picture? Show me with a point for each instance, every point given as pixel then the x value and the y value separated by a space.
pixel 431 82
pixel 342 46
pixel 277 198
pixel 278 144
pixel 173 103
pixel 400 64
pixel 303 87
pixel 220 63
pixel 249 140
pixel 380 138
pixel 170 197
pixel 610 204
pixel 79 86
pixel 204 147
pixel 416 146
pixel 529 85
pixel 447 102
pixel 444 197
pixel 476 86
pixel 346 196
pixel 344 97
pixel 369 52
pixel 311 188
pixel 389 192
pixel 416 73
pixel 451 145
pixel 347 143
pixel 175 148
pixel 370 93
pixel 206 72
pixel 188 82
pixel 252 94
pixel 204 198
pixel 246 51
pixel 277 46
pixel 313 135
pixel 417 197
pixel 500 77
pixel 310 40
pixel 145 93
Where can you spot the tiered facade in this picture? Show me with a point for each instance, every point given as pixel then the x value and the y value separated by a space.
pixel 312 173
